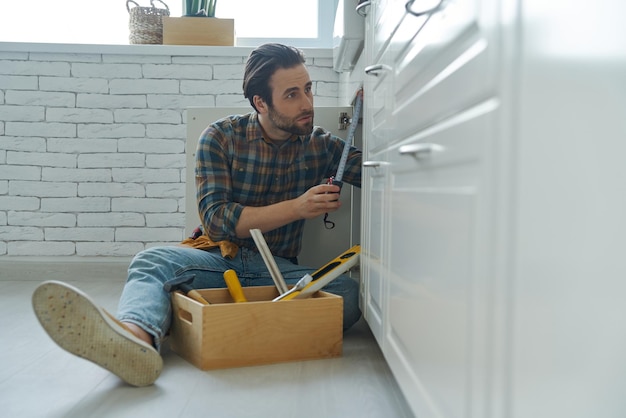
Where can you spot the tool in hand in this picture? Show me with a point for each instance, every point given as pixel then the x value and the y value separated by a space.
pixel 234 287
pixel 306 279
pixel 326 274
pixel 185 288
pixel 268 258
pixel 338 177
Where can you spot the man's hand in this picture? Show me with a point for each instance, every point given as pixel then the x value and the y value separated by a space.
pixel 318 200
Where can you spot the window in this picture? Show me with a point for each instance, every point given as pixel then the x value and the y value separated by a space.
pixel 302 23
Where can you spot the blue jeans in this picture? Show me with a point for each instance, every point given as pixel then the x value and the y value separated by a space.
pixel 146 304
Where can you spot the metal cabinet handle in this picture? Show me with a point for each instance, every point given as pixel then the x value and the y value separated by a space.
pixel 409 8
pixel 375 69
pixel 372 163
pixel 361 8
pixel 419 149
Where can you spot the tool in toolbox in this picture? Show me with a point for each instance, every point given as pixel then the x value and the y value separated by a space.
pixel 234 287
pixel 305 280
pixel 326 274
pixel 268 258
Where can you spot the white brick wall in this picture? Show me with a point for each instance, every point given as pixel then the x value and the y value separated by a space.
pixel 92 144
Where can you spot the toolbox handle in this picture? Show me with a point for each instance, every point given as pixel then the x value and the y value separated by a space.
pixel 185 316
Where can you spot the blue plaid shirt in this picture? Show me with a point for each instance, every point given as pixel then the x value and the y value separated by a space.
pixel 237 167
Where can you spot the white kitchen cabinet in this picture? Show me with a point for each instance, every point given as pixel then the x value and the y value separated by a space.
pixel 493 207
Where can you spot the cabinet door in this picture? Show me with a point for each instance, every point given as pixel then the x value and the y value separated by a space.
pixel 374 243
pixel 438 223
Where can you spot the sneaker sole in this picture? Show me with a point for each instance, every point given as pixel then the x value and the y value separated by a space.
pixel 80 327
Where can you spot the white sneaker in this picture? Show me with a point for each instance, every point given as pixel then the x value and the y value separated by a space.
pixel 79 326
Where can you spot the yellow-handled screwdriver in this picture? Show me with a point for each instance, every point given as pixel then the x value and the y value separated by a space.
pixel 234 287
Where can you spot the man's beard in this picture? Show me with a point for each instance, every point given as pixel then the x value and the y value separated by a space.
pixel 286 124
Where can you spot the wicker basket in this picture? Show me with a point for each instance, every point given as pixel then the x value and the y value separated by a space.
pixel 146 23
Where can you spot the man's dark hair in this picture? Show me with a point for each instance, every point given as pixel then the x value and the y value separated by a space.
pixel 261 65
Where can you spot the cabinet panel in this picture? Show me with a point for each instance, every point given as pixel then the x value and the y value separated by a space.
pixel 436 206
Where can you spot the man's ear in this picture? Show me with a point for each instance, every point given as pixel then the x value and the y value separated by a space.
pixel 260 104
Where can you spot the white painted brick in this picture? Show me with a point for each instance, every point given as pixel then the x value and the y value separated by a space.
pixel 75 204
pixel 3 218
pixel 111 160
pixel 323 62
pixel 76 174
pixel 19 203
pixel 178 71
pixel 19 143
pixel 106 101
pixel 111 189
pixel 79 234
pixel 82 85
pixel 3 157
pixel 42 219
pixel 149 234
pixel 97 130
pixel 40 98
pixel 162 146
pixel 35 68
pixel 44 159
pixel 42 188
pixel 145 175
pixel 57 114
pixel 210 87
pixel 326 101
pixel 158 220
pixel 232 100
pixel 18 172
pixel 20 233
pixel 44 129
pixel 147 116
pixel 165 190
pixel 19 82
pixel 4 186
pixel 162 243
pixel 166 160
pixel 179 101
pixel 3 248
pixel 166 131
pixel 1 127
pixel 203 59
pixel 22 113
pixel 106 70
pixel 326 89
pixel 121 86
pixel 108 249
pixel 143 205
pixel 40 248
pixel 69 57
pixel 81 145
pixel 229 72
pixel 126 58
pixel 323 74
pixel 111 219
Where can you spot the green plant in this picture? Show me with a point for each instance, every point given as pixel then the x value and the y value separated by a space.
pixel 199 8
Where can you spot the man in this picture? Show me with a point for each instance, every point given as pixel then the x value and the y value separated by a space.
pixel 261 171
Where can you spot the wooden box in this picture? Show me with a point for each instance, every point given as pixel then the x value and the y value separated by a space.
pixel 226 334
pixel 198 31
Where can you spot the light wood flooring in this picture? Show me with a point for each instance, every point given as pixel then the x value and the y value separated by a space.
pixel 39 379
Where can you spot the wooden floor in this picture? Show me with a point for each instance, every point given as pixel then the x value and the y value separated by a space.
pixel 38 379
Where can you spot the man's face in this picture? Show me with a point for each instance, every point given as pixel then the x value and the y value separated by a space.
pixel 292 109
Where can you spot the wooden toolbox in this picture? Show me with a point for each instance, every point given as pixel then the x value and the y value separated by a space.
pixel 226 334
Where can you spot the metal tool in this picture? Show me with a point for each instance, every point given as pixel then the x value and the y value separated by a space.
pixel 234 287
pixel 182 285
pixel 338 177
pixel 268 258
pixel 305 280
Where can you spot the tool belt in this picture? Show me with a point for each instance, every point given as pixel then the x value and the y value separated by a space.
pixel 202 241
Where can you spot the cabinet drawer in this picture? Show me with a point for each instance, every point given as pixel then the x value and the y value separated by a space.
pixel 386 14
pixel 442 70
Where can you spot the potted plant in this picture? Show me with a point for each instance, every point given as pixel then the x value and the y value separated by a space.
pixel 190 30
pixel 204 8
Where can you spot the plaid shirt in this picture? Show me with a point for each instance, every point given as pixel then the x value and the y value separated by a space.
pixel 237 167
